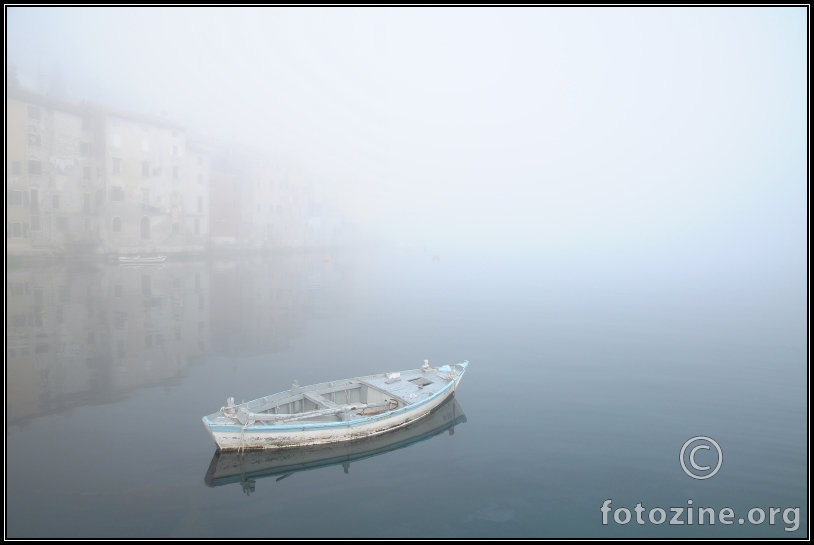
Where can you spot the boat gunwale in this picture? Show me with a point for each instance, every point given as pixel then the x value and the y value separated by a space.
pixel 307 426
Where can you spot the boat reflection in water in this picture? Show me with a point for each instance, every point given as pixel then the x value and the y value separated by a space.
pixel 229 466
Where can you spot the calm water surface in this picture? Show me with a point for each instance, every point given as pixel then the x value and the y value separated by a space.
pixel 585 380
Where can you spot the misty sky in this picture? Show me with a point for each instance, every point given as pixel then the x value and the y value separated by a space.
pixel 548 129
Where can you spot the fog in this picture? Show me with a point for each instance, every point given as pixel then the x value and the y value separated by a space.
pixel 626 132
pixel 604 209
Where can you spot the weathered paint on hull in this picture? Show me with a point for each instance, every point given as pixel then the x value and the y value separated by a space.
pixel 234 437
pixel 229 467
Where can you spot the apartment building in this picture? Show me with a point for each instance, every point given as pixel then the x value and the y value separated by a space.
pixel 91 180
pixel 157 186
pixel 54 177
pixel 95 181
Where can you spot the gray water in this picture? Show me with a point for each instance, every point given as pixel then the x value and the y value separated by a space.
pixel 586 378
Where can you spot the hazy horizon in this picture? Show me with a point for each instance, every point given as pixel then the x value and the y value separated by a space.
pixel 626 132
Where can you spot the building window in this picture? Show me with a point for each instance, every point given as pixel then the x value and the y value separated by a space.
pixel 116 140
pixel 33 112
pixel 117 165
pixel 116 225
pixel 55 202
pixel 34 168
pixel 116 193
pixel 200 179
pixel 119 319
pixel 145 196
pixel 145 144
pixel 84 149
pixel 62 223
pixel 197 226
pixel 175 171
pixel 35 198
pixel 34 140
pixel 35 223
pixel 175 150
pixel 86 173
pixel 145 228
pixel 176 228
pixel 200 160
pixel 145 168
pixel 86 203
pixel 16 230
pixel 15 198
pixel 200 205
pixel 16 168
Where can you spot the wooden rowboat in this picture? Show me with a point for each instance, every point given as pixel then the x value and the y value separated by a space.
pixel 244 467
pixel 334 412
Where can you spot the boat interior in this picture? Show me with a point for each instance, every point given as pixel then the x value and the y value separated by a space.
pixel 340 400
pixel 329 402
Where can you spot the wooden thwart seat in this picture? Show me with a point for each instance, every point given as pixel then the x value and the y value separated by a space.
pixel 319 400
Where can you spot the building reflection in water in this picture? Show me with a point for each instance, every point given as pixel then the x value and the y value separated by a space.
pixel 79 336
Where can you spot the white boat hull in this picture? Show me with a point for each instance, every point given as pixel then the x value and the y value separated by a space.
pixel 228 467
pixel 231 434
pixel 138 260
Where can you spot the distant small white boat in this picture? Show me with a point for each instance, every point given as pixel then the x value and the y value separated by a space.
pixel 334 412
pixel 141 260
